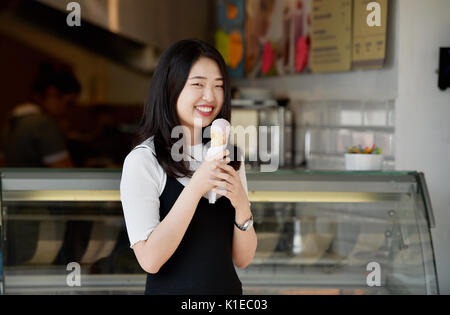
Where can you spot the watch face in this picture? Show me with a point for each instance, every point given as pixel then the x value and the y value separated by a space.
pixel 248 224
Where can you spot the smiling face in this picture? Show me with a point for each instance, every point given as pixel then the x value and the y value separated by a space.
pixel 202 96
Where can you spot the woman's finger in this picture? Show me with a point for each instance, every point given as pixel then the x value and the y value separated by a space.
pixel 224 193
pixel 225 176
pixel 219 163
pixel 221 184
pixel 218 156
pixel 227 168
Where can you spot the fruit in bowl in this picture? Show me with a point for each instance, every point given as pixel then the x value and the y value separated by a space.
pixel 366 150
pixel 358 158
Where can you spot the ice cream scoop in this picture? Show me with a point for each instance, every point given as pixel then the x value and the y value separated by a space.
pixel 220 131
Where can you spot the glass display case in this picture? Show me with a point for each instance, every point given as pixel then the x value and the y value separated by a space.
pixel 63 232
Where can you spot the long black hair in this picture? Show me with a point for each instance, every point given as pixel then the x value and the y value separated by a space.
pixel 160 110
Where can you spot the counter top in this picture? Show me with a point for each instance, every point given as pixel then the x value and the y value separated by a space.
pixel 297 171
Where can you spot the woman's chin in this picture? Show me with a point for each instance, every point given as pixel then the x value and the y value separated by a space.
pixel 206 120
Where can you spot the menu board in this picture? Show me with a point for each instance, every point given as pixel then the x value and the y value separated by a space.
pixel 369 40
pixel 331 38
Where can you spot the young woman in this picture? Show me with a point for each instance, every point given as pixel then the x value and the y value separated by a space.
pixel 184 243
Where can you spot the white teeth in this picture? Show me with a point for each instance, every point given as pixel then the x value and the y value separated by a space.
pixel 204 109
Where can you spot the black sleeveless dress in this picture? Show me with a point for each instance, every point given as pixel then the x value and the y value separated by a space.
pixel 202 263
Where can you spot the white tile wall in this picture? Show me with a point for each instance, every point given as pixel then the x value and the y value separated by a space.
pixel 336 125
pixel 375 114
pixel 349 114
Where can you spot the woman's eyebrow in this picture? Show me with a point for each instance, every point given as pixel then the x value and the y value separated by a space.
pixel 204 78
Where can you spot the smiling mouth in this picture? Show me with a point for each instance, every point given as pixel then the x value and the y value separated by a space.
pixel 204 109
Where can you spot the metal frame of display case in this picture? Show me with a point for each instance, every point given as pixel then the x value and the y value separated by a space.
pixel 85 185
pixel 316 186
pixel 339 187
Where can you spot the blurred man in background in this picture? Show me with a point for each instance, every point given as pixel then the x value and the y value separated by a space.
pixel 31 137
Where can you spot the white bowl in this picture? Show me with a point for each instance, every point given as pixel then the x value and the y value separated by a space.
pixel 363 162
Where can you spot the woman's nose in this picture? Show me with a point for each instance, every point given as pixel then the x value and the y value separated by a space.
pixel 208 94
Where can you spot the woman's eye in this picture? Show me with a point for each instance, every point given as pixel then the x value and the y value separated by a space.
pixel 197 84
pixel 219 86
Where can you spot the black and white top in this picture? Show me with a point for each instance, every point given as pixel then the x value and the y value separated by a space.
pixel 142 183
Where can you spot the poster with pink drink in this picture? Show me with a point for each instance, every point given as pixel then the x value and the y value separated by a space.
pixel 277 37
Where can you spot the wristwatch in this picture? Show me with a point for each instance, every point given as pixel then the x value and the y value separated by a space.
pixel 247 225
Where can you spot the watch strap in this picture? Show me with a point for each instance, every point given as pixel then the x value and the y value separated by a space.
pixel 244 227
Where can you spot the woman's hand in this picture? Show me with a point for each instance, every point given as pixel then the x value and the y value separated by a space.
pixel 207 171
pixel 230 181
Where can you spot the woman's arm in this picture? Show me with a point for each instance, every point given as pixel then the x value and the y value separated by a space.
pixel 244 242
pixel 165 238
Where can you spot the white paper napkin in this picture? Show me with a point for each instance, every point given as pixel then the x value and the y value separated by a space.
pixel 212 196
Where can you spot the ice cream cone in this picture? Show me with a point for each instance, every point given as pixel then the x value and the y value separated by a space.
pixel 220 131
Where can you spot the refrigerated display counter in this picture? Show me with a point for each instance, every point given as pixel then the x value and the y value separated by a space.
pixel 63 232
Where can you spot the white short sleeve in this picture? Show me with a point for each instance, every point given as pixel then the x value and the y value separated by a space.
pixel 141 184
